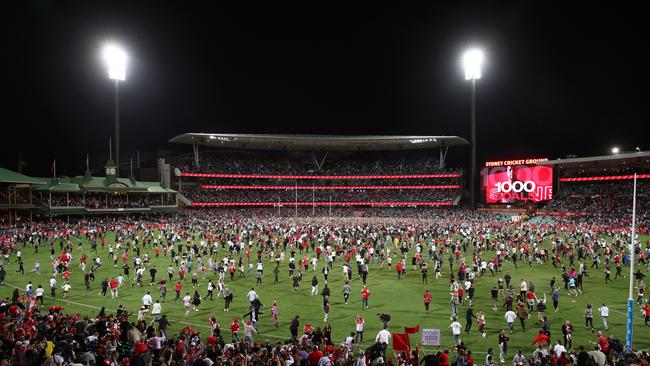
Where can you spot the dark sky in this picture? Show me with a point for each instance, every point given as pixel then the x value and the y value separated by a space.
pixel 557 80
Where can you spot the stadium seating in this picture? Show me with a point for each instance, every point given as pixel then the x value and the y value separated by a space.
pixel 380 178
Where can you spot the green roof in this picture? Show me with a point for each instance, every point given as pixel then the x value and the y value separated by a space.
pixel 54 185
pixel 88 183
pixel 8 176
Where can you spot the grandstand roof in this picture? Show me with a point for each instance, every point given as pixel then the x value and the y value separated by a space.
pixel 102 184
pixel 601 161
pixel 8 176
pixel 317 142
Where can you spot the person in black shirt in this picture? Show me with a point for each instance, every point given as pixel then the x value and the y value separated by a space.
pixel 469 317
pixel 431 359
pixel 152 272
pixel 293 328
pixel 104 287
pixel 384 318
pixel 276 273
pixel 495 294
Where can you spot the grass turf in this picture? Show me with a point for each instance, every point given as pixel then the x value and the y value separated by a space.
pixel 401 299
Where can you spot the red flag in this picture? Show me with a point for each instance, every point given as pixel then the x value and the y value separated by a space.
pixel 414 330
pixel 401 342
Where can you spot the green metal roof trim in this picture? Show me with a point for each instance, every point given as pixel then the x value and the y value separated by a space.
pixel 55 185
pixel 8 176
pixel 88 183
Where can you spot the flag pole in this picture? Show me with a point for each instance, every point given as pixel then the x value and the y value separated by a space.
pixel 630 299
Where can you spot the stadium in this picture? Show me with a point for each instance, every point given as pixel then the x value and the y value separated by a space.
pixel 296 219
pixel 220 184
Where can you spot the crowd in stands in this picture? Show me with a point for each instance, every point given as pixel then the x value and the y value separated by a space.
pixel 102 200
pixel 375 164
pixel 607 203
pixel 239 195
pixel 21 196
pixel 620 170
pixel 323 182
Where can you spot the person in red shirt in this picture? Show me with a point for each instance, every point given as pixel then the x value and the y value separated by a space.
pixel 603 343
pixel 530 300
pixel 365 295
pixel 66 275
pixel 541 339
pixel 427 300
pixel 469 359
pixel 399 267
pixel 113 284
pixel 444 358
pixel 314 356
pixel 646 313
pixel 178 287
pixel 234 329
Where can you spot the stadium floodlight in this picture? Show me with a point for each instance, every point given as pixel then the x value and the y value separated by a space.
pixel 115 60
pixel 615 150
pixel 472 62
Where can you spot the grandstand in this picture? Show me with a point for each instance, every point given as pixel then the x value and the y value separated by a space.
pixel 598 190
pixel 310 172
pixel 82 195
pixel 16 195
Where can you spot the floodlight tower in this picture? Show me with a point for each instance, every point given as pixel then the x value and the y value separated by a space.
pixel 115 60
pixel 472 62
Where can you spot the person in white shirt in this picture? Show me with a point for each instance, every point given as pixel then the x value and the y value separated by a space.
pixel 349 340
pixel 604 313
pixel 157 309
pixel 66 287
pixel 510 318
pixel 523 288
pixel 519 359
pixel 53 287
pixel 251 295
pixel 40 293
pixel 141 313
pixel 455 330
pixel 559 349
pixel 383 337
pixel 187 302
pixel 147 301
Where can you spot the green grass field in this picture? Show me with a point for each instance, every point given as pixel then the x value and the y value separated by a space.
pixel 402 299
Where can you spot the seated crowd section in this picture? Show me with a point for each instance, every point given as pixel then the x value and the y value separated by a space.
pixel 605 203
pixel 101 200
pixel 388 184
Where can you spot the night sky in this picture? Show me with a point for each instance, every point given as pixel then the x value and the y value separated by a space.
pixel 556 81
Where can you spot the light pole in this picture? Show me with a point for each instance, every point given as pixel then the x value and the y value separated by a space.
pixel 472 61
pixel 115 59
